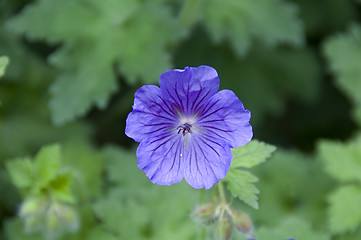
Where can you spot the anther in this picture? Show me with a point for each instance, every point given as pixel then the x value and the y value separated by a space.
pixel 184 128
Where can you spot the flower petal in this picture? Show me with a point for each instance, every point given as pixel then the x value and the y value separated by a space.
pixel 206 162
pixel 224 118
pixel 190 88
pixel 162 158
pixel 150 115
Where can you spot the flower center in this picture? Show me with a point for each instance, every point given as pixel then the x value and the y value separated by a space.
pixel 184 128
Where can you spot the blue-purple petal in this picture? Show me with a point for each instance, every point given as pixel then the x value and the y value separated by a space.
pixel 151 114
pixel 225 118
pixel 190 88
pixel 207 161
pixel 161 158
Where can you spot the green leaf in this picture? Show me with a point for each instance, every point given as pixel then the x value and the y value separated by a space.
pixel 21 172
pixel 47 164
pixel 121 167
pixel 291 228
pixel 343 52
pixel 342 160
pixel 98 233
pixel 61 187
pixel 121 36
pixel 254 153
pixel 14 230
pixel 87 166
pixel 4 61
pixel 287 192
pixel 345 211
pixel 110 211
pixel 240 22
pixel 239 183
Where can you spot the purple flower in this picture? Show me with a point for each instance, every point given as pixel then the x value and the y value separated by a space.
pixel 186 128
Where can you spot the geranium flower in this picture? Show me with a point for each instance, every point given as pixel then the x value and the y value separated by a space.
pixel 186 128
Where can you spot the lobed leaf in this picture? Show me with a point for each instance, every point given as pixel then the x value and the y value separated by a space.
pixel 120 37
pixel 239 22
pixel 345 211
pixel 87 166
pixel 239 183
pixel 254 153
pixel 291 228
pixel 342 160
pixel 4 61
pixel 343 52
pixel 47 164
pixel 21 172
pixel 61 187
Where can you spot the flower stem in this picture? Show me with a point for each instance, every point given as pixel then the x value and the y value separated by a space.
pixel 190 12
pixel 222 194
pixel 202 194
pixel 203 234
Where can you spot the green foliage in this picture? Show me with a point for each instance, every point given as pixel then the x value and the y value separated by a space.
pixel 115 37
pixel 254 153
pixel 343 51
pixel 47 164
pixel 4 61
pixel 151 211
pixel 271 22
pixel 288 189
pixel 47 183
pixel 87 165
pixel 343 162
pixel 291 228
pixel 41 175
pixel 345 212
pixel 21 172
pixel 239 182
pixel 12 231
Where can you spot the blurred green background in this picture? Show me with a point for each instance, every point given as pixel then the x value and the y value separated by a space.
pixel 75 65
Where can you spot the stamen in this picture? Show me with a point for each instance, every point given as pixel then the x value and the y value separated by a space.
pixel 184 128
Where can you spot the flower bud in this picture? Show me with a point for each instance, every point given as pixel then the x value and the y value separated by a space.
pixel 242 222
pixel 205 214
pixel 32 206
pixel 52 227
pixel 69 218
pixel 52 218
pixel 32 211
pixel 223 228
pixel 59 219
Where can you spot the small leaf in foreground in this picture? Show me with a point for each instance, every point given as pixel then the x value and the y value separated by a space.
pixel 240 182
pixel 254 153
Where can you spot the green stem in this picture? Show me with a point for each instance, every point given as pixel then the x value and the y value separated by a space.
pixel 222 194
pixel 202 195
pixel 203 234
pixel 189 13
